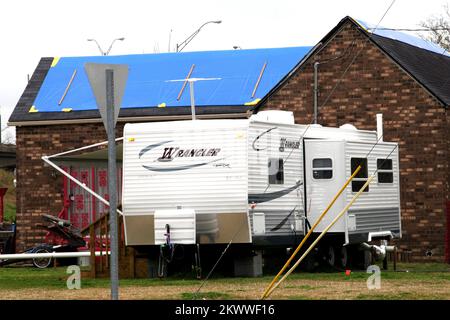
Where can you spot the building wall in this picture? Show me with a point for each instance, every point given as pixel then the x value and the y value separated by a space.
pixel 412 117
pixel 40 188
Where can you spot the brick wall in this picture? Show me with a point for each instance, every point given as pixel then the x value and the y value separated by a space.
pixel 39 187
pixel 412 117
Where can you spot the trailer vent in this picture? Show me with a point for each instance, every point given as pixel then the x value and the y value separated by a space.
pixel 348 126
pixel 276 116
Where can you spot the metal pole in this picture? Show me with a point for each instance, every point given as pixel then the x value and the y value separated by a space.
pixel 112 188
pixel 191 87
pixel 310 231
pixel 316 90
pixel 340 214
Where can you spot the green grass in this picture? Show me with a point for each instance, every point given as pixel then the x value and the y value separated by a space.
pixel 303 287
pixel 205 295
pixel 55 278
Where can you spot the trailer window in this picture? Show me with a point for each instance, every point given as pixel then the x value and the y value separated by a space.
pixel 385 172
pixel 276 171
pixel 361 178
pixel 322 168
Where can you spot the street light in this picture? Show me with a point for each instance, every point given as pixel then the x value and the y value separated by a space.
pixel 109 49
pixel 183 44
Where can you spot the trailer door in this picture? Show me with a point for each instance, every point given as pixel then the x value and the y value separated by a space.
pixel 324 176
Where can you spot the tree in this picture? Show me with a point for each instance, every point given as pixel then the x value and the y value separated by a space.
pixel 439 28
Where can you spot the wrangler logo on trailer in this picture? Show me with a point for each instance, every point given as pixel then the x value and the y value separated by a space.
pixel 169 154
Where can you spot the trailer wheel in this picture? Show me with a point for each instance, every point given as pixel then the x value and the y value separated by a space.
pixel 41 263
pixel 343 258
pixel 330 256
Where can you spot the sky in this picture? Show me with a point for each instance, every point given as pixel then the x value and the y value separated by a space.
pixel 33 29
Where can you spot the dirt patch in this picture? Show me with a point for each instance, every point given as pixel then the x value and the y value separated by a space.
pixel 293 289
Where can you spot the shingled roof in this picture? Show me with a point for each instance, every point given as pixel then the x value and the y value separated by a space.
pixel 430 69
pixel 426 62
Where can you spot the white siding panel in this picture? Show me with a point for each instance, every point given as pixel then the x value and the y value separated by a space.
pixel 382 197
pixel 268 144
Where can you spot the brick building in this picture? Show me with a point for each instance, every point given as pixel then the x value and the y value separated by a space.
pixel 360 74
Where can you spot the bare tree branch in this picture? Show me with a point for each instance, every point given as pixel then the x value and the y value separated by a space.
pixel 439 26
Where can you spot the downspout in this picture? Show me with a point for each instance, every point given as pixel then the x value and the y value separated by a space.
pixel 316 90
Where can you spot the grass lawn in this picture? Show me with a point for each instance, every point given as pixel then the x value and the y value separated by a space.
pixel 411 281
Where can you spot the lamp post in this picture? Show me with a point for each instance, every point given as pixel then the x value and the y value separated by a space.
pixel 110 47
pixel 182 45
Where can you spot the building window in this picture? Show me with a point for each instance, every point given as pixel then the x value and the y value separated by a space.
pixel 385 172
pixel 276 171
pixel 361 178
pixel 322 168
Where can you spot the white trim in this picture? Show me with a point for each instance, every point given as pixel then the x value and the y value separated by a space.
pixel 240 115
pixel 20 256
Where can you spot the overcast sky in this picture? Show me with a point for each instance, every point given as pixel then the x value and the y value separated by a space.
pixel 32 29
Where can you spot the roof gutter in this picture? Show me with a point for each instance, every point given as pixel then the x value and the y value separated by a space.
pixel 129 119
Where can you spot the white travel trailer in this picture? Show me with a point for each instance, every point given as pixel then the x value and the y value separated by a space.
pixel 261 181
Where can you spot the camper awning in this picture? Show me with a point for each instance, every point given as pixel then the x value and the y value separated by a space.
pixel 98 155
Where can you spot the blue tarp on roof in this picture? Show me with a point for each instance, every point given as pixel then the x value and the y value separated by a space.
pixel 148 77
pixel 403 37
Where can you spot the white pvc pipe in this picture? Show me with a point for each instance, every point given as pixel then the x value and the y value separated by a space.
pixel 82 148
pixel 379 126
pixel 20 256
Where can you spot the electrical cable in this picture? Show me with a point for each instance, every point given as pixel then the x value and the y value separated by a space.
pixel 217 263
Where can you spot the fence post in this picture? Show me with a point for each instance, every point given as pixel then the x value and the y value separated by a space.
pixel 100 235
pixel 92 250
pixel 107 241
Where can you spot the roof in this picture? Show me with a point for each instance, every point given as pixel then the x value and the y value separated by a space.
pixel 430 69
pixel 424 61
pixel 427 62
pixel 7 155
pixel 8 149
pixel 150 89
pixel 402 37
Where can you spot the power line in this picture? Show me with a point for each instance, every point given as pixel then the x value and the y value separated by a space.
pixel 411 29
pixel 356 56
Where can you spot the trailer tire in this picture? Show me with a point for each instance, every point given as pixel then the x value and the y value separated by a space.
pixel 330 255
pixel 343 261
pixel 41 263
pixel 309 264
